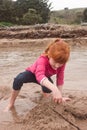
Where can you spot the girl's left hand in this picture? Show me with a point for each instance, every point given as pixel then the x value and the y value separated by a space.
pixel 65 99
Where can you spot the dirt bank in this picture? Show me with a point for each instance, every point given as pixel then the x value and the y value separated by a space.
pixel 42 34
pixel 43 31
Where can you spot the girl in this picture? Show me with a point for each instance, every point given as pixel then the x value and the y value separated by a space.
pixel 51 62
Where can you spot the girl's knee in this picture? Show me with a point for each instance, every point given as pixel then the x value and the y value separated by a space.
pixel 17 83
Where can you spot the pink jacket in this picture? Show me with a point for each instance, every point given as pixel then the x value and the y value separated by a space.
pixel 42 69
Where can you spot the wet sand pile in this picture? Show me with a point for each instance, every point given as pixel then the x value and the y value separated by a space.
pixel 50 116
pixel 47 115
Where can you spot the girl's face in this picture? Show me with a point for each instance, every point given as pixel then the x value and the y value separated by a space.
pixel 54 64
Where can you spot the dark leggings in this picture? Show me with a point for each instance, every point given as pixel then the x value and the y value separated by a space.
pixel 28 77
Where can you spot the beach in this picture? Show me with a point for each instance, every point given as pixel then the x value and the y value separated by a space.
pixel 32 111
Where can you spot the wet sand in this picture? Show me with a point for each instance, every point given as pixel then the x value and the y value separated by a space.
pixel 32 111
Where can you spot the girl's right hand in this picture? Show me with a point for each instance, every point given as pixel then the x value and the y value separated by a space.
pixel 57 96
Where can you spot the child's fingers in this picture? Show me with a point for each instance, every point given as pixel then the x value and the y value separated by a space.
pixel 60 100
pixel 66 99
pixel 57 100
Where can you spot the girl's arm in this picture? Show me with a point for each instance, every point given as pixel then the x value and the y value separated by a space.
pixel 60 87
pixel 57 96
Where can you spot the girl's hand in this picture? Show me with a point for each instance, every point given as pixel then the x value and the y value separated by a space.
pixel 57 97
pixel 65 99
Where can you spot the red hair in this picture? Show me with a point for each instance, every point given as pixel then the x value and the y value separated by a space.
pixel 59 50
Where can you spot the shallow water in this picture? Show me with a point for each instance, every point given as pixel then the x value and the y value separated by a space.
pixel 76 70
pixel 15 60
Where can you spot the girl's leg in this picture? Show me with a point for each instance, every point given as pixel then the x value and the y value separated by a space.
pixel 24 77
pixel 12 99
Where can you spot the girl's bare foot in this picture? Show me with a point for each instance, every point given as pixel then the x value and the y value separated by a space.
pixel 9 107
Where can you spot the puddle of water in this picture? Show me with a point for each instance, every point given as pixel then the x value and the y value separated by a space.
pixel 76 70
pixel 17 113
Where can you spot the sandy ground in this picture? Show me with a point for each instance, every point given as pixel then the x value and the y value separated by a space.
pixel 32 111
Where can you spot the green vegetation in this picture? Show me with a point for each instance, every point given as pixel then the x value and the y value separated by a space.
pixel 31 17
pixel 85 15
pixel 4 24
pixel 67 16
pixel 30 12
pixel 20 11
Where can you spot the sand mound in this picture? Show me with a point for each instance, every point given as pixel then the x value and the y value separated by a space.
pixel 50 116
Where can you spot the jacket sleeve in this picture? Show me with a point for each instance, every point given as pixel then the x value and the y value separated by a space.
pixel 60 76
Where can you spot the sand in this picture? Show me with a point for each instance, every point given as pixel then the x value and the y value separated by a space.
pixel 32 111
